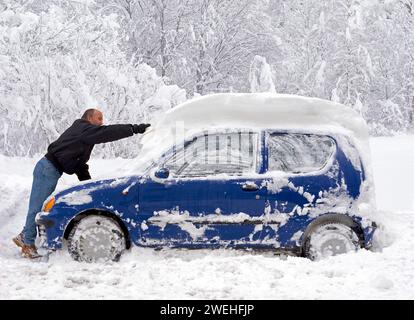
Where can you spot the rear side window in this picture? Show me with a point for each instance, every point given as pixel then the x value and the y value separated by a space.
pixel 298 153
pixel 233 154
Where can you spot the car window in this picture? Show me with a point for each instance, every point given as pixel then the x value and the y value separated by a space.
pixel 212 154
pixel 298 153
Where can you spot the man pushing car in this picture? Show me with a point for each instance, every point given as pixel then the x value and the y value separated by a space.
pixel 68 154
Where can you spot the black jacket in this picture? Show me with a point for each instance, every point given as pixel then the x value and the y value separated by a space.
pixel 71 151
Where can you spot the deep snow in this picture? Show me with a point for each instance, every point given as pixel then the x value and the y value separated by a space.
pixel 219 274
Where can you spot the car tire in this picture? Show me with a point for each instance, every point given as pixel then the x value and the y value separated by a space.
pixel 96 239
pixel 330 239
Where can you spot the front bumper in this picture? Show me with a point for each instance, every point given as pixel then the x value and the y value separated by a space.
pixel 43 220
pixel 50 234
pixel 42 236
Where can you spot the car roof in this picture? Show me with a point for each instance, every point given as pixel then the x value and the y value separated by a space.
pixel 255 111
pixel 262 111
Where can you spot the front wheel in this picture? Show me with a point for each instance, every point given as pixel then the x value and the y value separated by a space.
pixel 330 239
pixel 96 239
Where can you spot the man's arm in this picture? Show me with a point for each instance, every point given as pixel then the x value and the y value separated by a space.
pixel 101 134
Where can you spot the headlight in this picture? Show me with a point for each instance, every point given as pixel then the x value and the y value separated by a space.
pixel 49 204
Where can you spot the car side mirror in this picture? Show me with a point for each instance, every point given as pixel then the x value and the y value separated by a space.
pixel 162 173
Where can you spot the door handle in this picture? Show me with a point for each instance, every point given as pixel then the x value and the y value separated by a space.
pixel 250 187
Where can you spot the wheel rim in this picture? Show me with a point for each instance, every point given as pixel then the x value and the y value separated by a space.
pixel 98 240
pixel 331 240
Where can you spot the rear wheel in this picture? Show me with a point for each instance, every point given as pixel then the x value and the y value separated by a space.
pixel 330 239
pixel 96 239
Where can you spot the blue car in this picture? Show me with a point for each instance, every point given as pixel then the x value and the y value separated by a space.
pixel 292 190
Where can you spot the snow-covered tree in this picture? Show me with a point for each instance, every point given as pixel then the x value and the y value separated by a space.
pixel 261 76
pixel 59 62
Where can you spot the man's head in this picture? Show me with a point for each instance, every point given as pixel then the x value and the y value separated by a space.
pixel 94 116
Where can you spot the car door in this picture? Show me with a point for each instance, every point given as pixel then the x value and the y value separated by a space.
pixel 192 205
pixel 300 168
pixel 243 159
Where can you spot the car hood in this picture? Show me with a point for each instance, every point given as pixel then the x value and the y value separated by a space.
pixel 83 193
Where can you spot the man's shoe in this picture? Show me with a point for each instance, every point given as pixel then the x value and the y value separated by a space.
pixel 18 240
pixel 30 251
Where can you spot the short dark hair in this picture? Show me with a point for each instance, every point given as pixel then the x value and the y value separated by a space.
pixel 87 114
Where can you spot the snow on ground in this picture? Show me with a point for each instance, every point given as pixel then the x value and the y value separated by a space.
pixel 219 274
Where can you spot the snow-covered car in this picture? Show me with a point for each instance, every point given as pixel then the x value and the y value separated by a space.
pixel 263 171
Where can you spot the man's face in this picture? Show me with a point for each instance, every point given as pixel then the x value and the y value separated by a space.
pixel 96 118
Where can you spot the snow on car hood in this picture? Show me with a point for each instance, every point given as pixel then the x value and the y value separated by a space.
pixel 81 194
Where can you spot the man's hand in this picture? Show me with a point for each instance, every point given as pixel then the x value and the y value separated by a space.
pixel 83 173
pixel 140 128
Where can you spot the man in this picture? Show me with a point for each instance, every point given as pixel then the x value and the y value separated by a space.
pixel 68 154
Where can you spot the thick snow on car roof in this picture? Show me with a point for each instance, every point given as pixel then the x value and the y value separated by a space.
pixel 258 110
pixel 253 111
